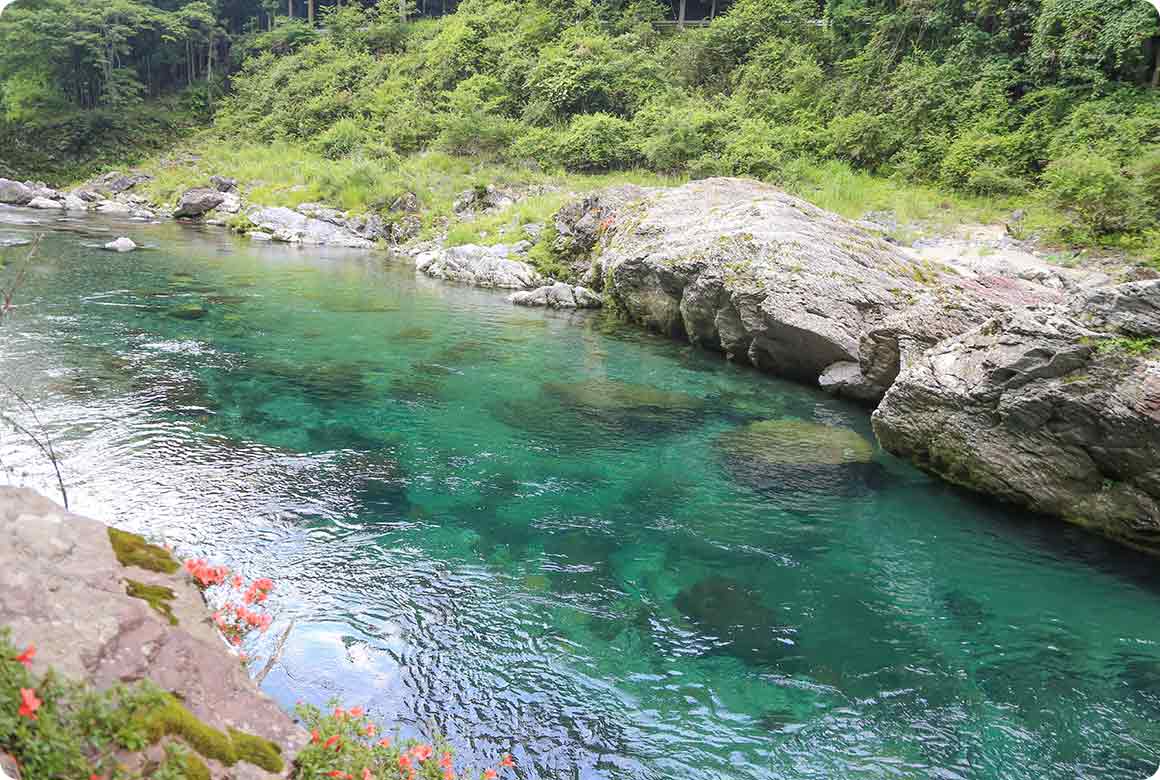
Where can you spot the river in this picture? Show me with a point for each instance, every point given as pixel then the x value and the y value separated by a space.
pixel 543 533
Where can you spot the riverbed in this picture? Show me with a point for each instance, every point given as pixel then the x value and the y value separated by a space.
pixel 542 533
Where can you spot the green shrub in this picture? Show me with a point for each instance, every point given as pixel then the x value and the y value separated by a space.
pixel 596 142
pixel 1096 191
pixel 863 138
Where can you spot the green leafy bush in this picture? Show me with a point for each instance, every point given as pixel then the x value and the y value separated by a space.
pixel 1096 191
pixel 596 142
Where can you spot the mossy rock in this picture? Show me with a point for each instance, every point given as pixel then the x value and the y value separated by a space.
pixel 797 443
pixel 611 395
pixel 788 458
pixel 257 751
pixel 156 596
pixel 132 550
pixel 172 719
pixel 188 311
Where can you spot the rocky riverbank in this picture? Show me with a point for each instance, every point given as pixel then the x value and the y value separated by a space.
pixel 105 609
pixel 1033 382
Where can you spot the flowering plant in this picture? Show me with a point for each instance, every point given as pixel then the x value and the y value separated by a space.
pixel 346 745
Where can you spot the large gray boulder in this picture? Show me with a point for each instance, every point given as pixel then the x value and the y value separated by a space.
pixel 289 226
pixel 1035 407
pixel 481 266
pixel 14 193
pixel 741 267
pixel 197 201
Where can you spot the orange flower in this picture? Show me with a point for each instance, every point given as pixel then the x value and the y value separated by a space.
pixel 340 713
pixel 315 737
pixel 404 761
pixel 385 742
pixel 367 774
pixel 96 777
pixel 370 730
pixel 422 752
pixel 338 773
pixel 29 704
pixel 490 774
pixel 448 774
pixel 507 760
pixel 445 760
pixel 26 657
pixel 333 742
pixel 356 712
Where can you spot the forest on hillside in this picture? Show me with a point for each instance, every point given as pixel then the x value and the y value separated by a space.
pixel 992 97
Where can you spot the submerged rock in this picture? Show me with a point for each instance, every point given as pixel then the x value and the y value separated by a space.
pixel 121 244
pixel 188 311
pixel 482 266
pixel 612 395
pixel 791 458
pixel 558 296
pixel 730 611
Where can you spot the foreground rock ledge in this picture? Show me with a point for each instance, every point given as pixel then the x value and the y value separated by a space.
pixel 62 588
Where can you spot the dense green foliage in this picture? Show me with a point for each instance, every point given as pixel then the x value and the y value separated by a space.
pixel 985 96
pixel 990 97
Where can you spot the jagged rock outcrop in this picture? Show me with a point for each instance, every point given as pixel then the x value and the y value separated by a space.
pixel 116 182
pixel 481 266
pixel 558 296
pixel 1036 407
pixel 740 267
pixel 63 589
pixel 1039 391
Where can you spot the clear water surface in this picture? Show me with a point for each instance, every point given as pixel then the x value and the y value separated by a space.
pixel 526 529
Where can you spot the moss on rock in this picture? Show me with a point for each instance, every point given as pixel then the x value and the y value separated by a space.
pixel 132 550
pixel 156 596
pixel 257 751
pixel 172 719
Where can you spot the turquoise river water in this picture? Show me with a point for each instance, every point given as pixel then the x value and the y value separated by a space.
pixel 532 531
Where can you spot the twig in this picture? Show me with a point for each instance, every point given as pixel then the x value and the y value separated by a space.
pixel 276 655
pixel 46 446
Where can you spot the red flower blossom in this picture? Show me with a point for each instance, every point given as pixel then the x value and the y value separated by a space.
pixel 370 730
pixel 29 704
pixel 507 760
pixel 422 752
pixel 367 774
pixel 338 773
pixel 448 774
pixel 445 760
pixel 404 761
pixel 237 581
pixel 385 742
pixel 96 777
pixel 315 737
pixel 26 657
pixel 490 774
pixel 357 712
pixel 340 713
pixel 333 742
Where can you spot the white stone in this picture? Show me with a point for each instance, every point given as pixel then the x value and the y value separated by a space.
pixel 122 244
